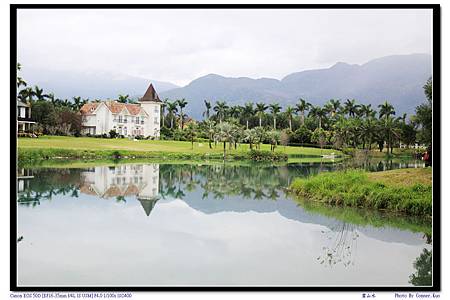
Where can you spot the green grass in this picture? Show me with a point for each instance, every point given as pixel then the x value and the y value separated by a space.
pixel 405 190
pixel 48 147
pixel 374 218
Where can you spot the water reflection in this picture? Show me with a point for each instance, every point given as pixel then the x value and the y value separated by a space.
pixel 423 272
pixel 341 246
pixel 228 219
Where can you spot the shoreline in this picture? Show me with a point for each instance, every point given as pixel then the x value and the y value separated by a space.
pixel 406 191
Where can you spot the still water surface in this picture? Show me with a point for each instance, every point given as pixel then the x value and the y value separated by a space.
pixel 188 224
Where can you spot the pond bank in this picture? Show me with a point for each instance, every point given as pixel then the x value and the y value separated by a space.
pixel 404 190
pixel 57 148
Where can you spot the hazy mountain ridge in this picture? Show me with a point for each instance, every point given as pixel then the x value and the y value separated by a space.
pixel 92 85
pixel 398 79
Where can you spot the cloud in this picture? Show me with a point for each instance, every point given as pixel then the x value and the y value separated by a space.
pixel 179 45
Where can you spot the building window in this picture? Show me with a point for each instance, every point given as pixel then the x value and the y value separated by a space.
pixel 156 121
pixel 156 109
pixel 125 131
pixel 120 119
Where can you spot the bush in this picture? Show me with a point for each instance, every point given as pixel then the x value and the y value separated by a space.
pixel 113 134
pixel 262 155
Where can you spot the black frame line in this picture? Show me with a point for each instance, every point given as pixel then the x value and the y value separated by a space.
pixel 436 223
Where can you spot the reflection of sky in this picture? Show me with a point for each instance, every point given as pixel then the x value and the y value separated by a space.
pixel 92 241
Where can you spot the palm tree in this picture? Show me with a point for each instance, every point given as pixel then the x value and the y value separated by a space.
pixel 27 94
pixel 224 133
pixel 260 109
pixel 208 108
pixel 366 110
pixel 386 110
pixel 210 130
pixel 250 135
pixel 123 98
pixel 234 111
pixel 247 112
pixel 192 129
pixel 182 104
pixel 350 107
pixel 301 107
pixel 335 106
pixel 275 109
pixel 221 108
pixel 172 109
pixel 77 103
pixel 290 112
pixel 319 113
pixel 402 118
pixel 163 111
pixel 39 93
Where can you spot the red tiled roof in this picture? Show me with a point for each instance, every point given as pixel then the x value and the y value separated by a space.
pixel 88 108
pixel 114 106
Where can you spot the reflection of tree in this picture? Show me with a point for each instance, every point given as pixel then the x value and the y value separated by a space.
pixel 342 246
pixel 423 274
pixel 221 180
pixel 48 183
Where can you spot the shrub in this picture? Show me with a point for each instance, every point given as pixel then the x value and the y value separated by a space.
pixel 113 134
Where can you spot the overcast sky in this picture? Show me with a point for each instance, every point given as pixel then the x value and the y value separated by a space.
pixel 181 45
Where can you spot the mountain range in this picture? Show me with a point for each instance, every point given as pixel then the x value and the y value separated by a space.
pixel 398 79
pixel 92 85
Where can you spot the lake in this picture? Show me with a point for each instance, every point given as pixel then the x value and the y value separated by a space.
pixel 176 224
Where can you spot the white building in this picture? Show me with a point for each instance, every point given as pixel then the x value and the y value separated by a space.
pixel 141 181
pixel 126 119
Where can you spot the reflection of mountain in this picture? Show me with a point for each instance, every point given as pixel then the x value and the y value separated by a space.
pixel 290 210
pixel 206 188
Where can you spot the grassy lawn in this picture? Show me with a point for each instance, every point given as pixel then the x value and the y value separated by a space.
pixel 403 190
pixel 93 144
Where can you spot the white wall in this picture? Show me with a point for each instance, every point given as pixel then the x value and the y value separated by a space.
pixel 152 128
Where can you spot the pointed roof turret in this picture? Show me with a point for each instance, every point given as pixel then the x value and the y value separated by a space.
pixel 148 204
pixel 150 95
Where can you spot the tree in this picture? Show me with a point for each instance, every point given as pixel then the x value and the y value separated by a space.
pixel 260 110
pixel 182 104
pixel 191 132
pixel 319 136
pixel 366 111
pixel 123 98
pixel 26 95
pixel 423 265
pixel 335 106
pixel 247 112
pixel 209 124
pixel 289 113
pixel 386 110
pixel 319 113
pixel 172 108
pixel 39 93
pixel 77 103
pixel 350 107
pixel 163 111
pixel 250 135
pixel 221 109
pixel 274 137
pixel 275 109
pixel 424 114
pixel 20 82
pixel 301 107
pixel 208 109
pixel 224 133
